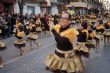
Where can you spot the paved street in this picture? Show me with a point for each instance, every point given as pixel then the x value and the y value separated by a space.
pixel 33 61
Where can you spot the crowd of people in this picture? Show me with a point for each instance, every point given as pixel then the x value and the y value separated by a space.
pixel 75 36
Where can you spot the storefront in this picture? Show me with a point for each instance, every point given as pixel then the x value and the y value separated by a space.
pixel 45 7
pixel 7 5
pixel 53 9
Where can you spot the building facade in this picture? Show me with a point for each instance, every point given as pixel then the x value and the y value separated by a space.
pixel 7 5
pixel 86 6
pixel 37 6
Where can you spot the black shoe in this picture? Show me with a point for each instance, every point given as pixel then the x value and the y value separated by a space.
pixel 47 68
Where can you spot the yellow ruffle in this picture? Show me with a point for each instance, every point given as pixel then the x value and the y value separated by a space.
pixel 33 36
pixel 107 33
pixel 99 27
pixel 20 34
pixel 70 33
pixel 2 44
pixel 85 30
pixel 55 62
pixel 93 34
pixel 18 24
pixel 108 23
pixel 82 47
pixel 20 42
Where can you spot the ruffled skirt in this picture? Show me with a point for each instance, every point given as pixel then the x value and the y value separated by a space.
pixel 19 44
pixel 32 36
pixel 2 46
pixel 72 64
pixel 82 50
pixel 106 33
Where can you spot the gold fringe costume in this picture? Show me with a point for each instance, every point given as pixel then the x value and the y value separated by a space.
pixel 100 31
pixel 32 33
pixel 65 59
pixel 2 45
pixel 107 30
pixel 81 48
pixel 20 42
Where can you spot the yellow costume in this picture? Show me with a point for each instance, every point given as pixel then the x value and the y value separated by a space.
pixel 20 42
pixel 107 30
pixel 63 58
pixel 32 32
pixel 81 48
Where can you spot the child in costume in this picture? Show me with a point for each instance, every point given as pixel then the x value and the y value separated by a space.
pixel 33 34
pixel 20 43
pixel 92 35
pixel 2 47
pixel 107 33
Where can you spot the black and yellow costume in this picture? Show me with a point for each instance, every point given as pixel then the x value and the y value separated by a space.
pixel 20 42
pixel 16 28
pixel 92 35
pixel 100 29
pixel 32 32
pixel 107 29
pixel 2 45
pixel 64 57
pixel 81 48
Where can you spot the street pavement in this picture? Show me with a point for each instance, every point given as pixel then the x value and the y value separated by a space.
pixel 33 61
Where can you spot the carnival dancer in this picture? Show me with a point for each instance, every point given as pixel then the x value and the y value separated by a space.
pixel 100 27
pixel 20 43
pixel 92 35
pixel 99 31
pixel 64 58
pixel 16 27
pixel 107 33
pixel 81 48
pixel 2 47
pixel 32 34
pixel 38 26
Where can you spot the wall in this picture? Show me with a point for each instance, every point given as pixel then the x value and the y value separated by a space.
pixel 54 10
pixel 25 10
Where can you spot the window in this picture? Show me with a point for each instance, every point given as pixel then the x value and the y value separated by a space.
pixel 30 9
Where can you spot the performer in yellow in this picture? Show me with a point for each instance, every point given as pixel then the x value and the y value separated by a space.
pixel 100 31
pixel 20 43
pixel 81 48
pixel 16 27
pixel 64 58
pixel 2 47
pixel 33 34
pixel 92 35
pixel 100 27
pixel 107 33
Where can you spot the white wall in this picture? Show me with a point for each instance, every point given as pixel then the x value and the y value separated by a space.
pixel 37 8
pixel 16 8
pixel 78 4
pixel 54 10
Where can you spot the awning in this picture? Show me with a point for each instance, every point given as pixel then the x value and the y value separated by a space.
pixel 79 4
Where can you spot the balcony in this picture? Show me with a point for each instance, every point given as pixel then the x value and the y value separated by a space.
pixel 79 4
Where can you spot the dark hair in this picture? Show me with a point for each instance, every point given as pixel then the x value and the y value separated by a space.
pixel 84 25
pixel 21 28
pixel 69 15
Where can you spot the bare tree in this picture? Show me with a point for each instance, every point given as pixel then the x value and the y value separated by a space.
pixel 21 5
